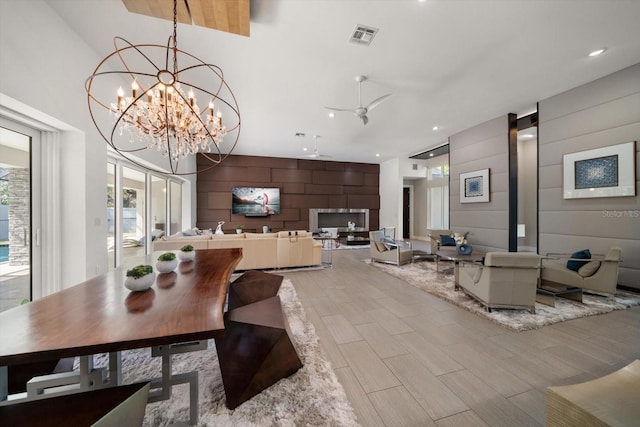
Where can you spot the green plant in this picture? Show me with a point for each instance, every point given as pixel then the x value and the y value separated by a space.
pixel 168 256
pixel 139 271
pixel 239 227
pixel 186 248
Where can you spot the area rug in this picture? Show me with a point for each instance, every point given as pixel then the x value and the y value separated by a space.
pixel 311 396
pixel 423 276
pixel 344 246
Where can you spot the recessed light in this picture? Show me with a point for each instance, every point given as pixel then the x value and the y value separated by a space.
pixel 430 154
pixel 528 135
pixel 304 149
pixel 598 51
pixel 332 114
pixel 435 127
pixel 377 154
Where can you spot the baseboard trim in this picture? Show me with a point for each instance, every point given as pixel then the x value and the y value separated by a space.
pixel 629 289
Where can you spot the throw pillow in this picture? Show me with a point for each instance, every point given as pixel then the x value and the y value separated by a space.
pixel 589 269
pixel 447 240
pixel 381 247
pixel 575 265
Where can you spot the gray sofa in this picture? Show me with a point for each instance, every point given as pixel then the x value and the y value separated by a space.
pixel 436 244
pixel 505 280
pixel 384 249
pixel 600 274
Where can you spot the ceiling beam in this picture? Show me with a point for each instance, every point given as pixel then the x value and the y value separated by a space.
pixel 231 16
pixel 159 9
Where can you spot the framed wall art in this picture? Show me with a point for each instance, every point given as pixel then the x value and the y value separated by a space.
pixel 474 186
pixel 601 172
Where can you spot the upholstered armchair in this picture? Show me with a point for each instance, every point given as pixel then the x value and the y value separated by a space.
pixel 505 280
pixel 598 274
pixel 385 249
pixel 436 241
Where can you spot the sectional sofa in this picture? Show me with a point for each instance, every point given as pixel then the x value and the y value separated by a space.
pixel 259 250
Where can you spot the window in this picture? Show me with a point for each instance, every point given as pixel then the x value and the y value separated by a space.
pixel 438 193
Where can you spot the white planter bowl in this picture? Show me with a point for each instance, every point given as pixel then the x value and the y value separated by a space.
pixel 187 256
pixel 140 284
pixel 166 266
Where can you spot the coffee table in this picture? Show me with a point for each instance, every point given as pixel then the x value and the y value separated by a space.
pixel 357 241
pixel 547 293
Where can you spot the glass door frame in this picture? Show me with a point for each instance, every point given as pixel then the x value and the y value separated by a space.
pixel 35 205
pixel 121 163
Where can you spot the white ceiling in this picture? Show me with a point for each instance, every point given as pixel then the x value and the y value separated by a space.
pixel 450 63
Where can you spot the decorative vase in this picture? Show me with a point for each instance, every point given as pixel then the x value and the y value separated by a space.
pixel 141 283
pixel 464 248
pixel 187 256
pixel 166 266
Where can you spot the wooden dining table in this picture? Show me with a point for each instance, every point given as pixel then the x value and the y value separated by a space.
pixel 100 315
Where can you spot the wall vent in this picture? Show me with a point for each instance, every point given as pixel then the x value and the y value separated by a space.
pixel 363 35
pixel 415 166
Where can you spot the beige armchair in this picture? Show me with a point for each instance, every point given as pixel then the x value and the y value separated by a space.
pixel 385 249
pixel 600 274
pixel 506 280
pixel 434 237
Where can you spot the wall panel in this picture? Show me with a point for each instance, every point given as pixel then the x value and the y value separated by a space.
pixel 601 113
pixel 303 184
pixel 481 147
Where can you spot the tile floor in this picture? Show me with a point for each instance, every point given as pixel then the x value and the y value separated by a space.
pixel 407 358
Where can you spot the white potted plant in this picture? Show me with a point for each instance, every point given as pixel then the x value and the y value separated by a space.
pixel 167 262
pixel 140 278
pixel 187 253
pixel 239 228
pixel 351 228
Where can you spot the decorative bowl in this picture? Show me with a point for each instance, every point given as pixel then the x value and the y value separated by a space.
pixel 166 266
pixel 464 249
pixel 140 284
pixel 187 256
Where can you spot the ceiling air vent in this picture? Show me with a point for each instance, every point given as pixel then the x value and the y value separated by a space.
pixel 363 35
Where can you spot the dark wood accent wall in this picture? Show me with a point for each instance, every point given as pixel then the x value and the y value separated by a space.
pixel 304 185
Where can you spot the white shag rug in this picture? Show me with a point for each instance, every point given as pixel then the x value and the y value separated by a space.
pixel 423 276
pixel 310 397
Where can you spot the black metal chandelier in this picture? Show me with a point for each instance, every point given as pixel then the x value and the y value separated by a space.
pixel 157 114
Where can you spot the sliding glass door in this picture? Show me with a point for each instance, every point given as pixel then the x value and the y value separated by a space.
pixel 16 219
pixel 140 206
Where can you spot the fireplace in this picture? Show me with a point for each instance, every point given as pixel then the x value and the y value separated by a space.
pixel 338 218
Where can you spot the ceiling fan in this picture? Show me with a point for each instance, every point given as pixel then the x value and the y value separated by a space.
pixel 316 154
pixel 362 111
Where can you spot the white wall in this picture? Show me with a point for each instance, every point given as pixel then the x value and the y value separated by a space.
pixel 395 174
pixel 44 66
pixel 391 195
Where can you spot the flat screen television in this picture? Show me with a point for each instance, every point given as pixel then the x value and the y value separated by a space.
pixel 255 201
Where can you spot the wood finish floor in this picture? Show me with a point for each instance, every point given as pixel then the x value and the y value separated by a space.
pixel 407 358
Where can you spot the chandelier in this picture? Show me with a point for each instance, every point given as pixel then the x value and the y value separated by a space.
pixel 160 111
